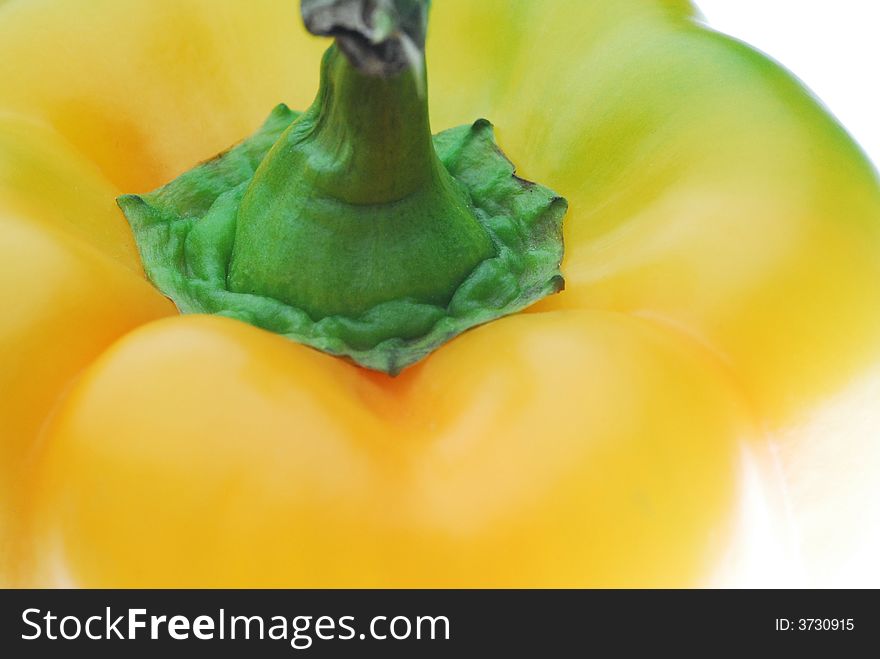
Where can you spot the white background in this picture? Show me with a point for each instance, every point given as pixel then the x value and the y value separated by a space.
pixel 831 45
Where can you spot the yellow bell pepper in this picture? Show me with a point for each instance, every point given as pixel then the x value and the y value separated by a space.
pixel 722 260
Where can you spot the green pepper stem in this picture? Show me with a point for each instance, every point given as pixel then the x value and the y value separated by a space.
pixel 380 37
pixel 375 134
pixel 352 208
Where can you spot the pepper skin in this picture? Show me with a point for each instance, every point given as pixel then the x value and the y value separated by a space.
pixel 722 260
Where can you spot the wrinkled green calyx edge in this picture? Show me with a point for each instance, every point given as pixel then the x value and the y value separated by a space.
pixel 185 232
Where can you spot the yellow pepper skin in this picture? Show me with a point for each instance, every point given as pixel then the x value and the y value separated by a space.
pixel 449 475
pixel 722 268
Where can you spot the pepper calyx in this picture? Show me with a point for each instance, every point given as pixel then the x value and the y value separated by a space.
pixel 186 231
pixel 348 227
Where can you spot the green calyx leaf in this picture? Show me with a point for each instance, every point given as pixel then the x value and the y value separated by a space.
pixel 186 234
